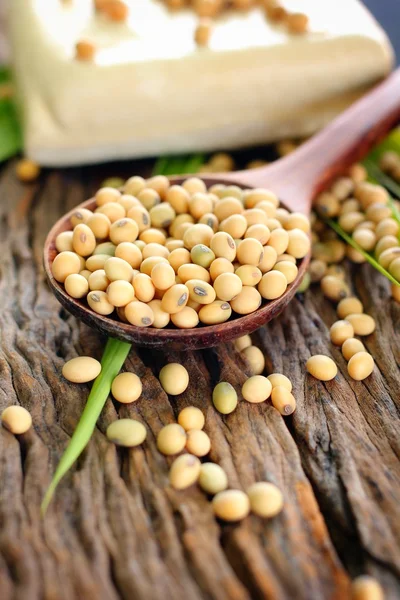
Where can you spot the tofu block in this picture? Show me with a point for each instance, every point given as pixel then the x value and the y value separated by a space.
pixel 150 90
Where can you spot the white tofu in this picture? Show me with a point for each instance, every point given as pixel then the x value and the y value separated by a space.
pixel 151 91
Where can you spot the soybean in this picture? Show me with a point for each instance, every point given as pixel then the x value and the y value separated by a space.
pixel 321 367
pixel 256 389
pixel 126 432
pixel 360 366
pixel 340 332
pixel 16 419
pixel 266 499
pixel 171 439
pixel 126 388
pixel 351 346
pixel 212 478
pixel 184 472
pixel 224 398
pixel 174 378
pixel 81 369
pixel 231 505
pixel 255 358
pixel 198 442
pixel 283 400
pixel 191 417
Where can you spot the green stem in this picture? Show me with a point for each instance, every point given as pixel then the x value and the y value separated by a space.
pixel 114 357
pixel 365 254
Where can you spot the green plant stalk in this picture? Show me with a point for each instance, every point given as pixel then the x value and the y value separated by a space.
pixel 112 361
pixel 368 257
pixel 114 357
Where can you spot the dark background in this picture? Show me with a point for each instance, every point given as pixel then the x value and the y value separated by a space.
pixel 387 12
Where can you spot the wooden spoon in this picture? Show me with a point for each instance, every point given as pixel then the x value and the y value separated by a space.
pixel 296 179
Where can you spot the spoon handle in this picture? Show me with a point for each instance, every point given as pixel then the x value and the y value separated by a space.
pixel 298 177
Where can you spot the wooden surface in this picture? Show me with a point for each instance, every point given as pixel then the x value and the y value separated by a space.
pixel 116 530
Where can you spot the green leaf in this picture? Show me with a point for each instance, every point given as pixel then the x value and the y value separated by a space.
pixel 114 357
pixel 10 131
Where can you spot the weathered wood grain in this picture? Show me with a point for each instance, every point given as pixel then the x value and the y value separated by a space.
pixel 116 530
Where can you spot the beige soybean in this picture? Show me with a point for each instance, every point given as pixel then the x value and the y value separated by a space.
pixel 219 266
pixel 81 215
pixel 154 249
pixel 126 388
pixel 187 318
pixel 279 380
pixel 124 230
pixel 76 285
pixel 266 499
pixel 278 240
pixel 272 285
pixel 360 366
pixel 198 442
pixel 254 196
pixel 163 276
pixel 178 198
pixel 113 211
pixel 175 298
pixel 211 220
pixel 184 472
pixel 200 204
pixel 256 216
pixel 130 253
pixel 126 432
pixel 198 234
pixel 191 417
pixel 192 271
pixel 340 332
pixel 249 252
pixel 349 306
pixel 85 273
pixel 387 227
pixel 139 314
pixel 120 293
pixel 227 286
pixel 64 241
pixel 334 288
pixel 365 587
pixel 299 243
pixel 212 478
pixel 273 224
pixel 235 225
pixel 81 369
pixel 141 216
pixel 288 269
pixel 388 256
pixel 321 367
pixel 173 244
pixel 105 248
pixel 98 301
pixel 283 400
pixel 149 198
pixel 351 346
pixel 116 268
pixel 181 219
pixel 362 324
pixel 224 398
pixel 269 259
pixel 214 313
pixel 385 243
pixel 162 215
pixel 255 358
pixel 231 505
pixel 200 291
pixel 365 238
pixel 223 246
pixel 171 439
pixel 66 263
pixel 174 378
pixel 227 207
pixel 16 419
pixel 98 281
pixel 100 225
pixel 394 268
pixel 179 257
pixel 160 183
pixel 127 201
pixel 193 185
pixel 259 232
pixel 248 275
pixel 256 389
pixel 105 195
pixel 202 255
pixel 96 261
pixel 161 318
pixel 247 301
pixel 134 185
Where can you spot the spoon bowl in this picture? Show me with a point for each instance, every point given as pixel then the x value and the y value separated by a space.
pixel 295 179
pixel 202 336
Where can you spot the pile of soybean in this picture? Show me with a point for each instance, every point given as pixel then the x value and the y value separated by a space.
pixel 156 254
